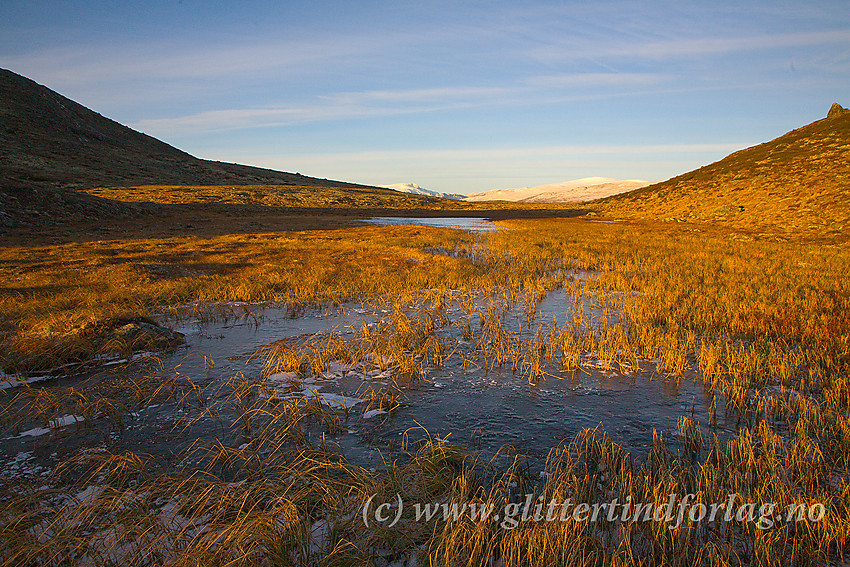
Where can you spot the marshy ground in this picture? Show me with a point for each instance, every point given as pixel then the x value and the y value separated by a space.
pixel 716 363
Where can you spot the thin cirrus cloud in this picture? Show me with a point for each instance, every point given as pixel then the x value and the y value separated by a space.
pixel 330 107
pixel 346 105
pixel 235 119
pixel 677 48
pixel 708 46
pixel 539 152
pixel 418 95
pixel 178 60
pixel 585 80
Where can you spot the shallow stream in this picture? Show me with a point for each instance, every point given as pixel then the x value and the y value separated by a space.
pixel 490 412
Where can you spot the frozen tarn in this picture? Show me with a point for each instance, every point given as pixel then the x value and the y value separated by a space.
pixel 486 409
pixel 472 224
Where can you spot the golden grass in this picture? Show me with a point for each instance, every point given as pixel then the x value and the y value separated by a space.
pixel 765 325
pixel 52 294
pixel 794 185
pixel 295 196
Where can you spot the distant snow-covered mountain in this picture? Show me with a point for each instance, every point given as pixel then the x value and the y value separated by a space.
pixel 576 191
pixel 417 190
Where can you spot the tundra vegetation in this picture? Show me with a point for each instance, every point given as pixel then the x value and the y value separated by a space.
pixel 763 322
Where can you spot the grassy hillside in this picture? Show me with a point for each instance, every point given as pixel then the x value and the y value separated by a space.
pixel 46 138
pixel 797 183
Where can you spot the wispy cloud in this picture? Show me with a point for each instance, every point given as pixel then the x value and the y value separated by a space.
pixel 345 105
pixel 176 59
pixel 541 152
pixel 419 95
pixel 684 48
pixel 588 80
pixel 334 107
pixel 234 119
pixel 716 45
pixel 328 107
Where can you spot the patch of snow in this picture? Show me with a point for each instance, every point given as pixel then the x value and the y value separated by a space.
pixel 55 423
pixel 337 401
pixel 11 381
pixel 372 413
pixel 65 421
pixel 281 378
pixel 34 432
pixel 332 400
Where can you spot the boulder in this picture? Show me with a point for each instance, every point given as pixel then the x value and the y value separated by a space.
pixel 144 335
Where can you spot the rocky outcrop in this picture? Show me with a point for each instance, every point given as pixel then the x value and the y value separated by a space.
pixel 836 110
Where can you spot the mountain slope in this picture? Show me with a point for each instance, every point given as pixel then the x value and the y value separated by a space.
pixel 46 138
pixel 63 163
pixel 798 182
pixel 576 191
pixel 415 189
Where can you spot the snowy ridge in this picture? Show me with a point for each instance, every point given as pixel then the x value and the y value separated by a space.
pixel 417 190
pixel 575 191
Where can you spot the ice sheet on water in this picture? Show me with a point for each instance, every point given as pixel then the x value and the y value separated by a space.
pixel 372 413
pixel 65 421
pixel 55 423
pixel 281 378
pixel 308 393
pixel 331 400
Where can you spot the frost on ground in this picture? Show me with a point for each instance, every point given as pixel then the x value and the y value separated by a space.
pixel 22 465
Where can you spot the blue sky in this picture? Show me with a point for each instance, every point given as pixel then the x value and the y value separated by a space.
pixel 454 96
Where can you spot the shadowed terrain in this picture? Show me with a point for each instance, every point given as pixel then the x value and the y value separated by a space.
pixel 51 147
pixel 47 138
pixel 66 172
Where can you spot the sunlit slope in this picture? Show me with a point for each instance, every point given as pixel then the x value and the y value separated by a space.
pixel 799 182
pixel 279 195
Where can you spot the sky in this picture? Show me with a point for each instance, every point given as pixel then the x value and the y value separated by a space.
pixel 456 96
